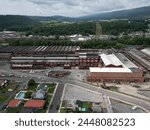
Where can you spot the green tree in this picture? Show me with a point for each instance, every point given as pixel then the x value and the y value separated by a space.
pixel 31 82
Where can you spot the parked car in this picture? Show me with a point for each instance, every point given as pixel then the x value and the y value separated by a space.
pixel 134 107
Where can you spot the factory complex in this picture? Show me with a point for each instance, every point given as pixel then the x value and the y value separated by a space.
pixel 123 66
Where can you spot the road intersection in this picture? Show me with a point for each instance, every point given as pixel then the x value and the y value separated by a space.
pixel 22 77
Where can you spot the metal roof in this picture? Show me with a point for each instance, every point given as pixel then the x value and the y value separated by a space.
pixel 110 70
pixel 140 56
pixel 146 51
pixel 126 62
pixel 111 60
pixel 36 49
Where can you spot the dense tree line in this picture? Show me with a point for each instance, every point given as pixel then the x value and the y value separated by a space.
pixel 89 28
pixel 118 43
pixel 14 22
pixel 117 27
pixel 33 27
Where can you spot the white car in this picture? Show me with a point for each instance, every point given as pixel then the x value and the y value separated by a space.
pixel 134 107
pixel 11 75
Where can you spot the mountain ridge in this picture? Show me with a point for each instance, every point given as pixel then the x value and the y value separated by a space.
pixel 136 13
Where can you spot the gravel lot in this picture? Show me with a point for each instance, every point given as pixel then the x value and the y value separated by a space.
pixel 73 93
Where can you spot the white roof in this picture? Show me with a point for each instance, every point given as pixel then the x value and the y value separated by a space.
pixel 117 70
pixel 126 62
pixel 146 51
pixel 110 60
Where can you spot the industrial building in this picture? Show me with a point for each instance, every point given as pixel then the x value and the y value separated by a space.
pixel 110 60
pixel 146 51
pixel 39 50
pixel 114 75
pixel 5 56
pixel 87 60
pixel 42 57
pixel 125 61
pixel 142 58
pixel 42 62
pixel 115 69
pixel 103 65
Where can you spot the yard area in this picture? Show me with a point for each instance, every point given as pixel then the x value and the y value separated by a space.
pixel 51 88
pixel 48 99
pixel 33 87
pixel 10 86
pixel 3 98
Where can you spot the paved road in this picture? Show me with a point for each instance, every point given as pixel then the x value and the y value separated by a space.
pixel 57 97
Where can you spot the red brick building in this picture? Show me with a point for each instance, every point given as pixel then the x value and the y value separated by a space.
pixel 115 74
pixel 87 60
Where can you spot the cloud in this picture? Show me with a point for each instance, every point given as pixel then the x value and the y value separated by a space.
pixel 66 7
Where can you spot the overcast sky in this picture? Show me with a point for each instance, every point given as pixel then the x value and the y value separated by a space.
pixel 66 7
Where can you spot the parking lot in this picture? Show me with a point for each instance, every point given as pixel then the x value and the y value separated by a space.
pixel 75 93
pixel 120 107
